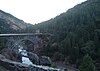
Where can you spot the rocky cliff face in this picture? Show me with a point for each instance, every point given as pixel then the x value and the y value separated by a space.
pixel 13 21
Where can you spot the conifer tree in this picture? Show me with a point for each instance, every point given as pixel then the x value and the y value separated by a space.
pixel 87 64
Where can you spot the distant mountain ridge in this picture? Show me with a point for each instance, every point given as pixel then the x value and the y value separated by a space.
pixel 13 21
pixel 11 24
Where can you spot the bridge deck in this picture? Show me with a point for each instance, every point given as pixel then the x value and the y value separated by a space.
pixel 24 34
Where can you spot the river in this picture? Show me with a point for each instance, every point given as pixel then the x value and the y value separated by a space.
pixel 26 60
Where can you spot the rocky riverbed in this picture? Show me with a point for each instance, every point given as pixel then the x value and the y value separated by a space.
pixel 9 61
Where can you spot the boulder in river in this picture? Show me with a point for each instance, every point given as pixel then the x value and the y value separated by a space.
pixel 17 66
pixel 33 57
pixel 44 60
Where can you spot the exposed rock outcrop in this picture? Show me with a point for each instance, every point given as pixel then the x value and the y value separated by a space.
pixel 9 54
pixel 33 57
pixel 39 60
pixel 44 60
pixel 30 47
pixel 12 65
pixel 14 22
pixel 17 66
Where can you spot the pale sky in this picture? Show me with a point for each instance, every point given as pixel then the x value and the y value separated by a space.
pixel 36 11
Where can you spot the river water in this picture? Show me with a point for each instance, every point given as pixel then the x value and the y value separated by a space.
pixel 26 60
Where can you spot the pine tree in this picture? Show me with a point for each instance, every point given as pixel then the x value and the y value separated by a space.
pixel 87 64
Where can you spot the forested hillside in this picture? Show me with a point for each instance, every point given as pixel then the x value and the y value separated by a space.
pixel 76 37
